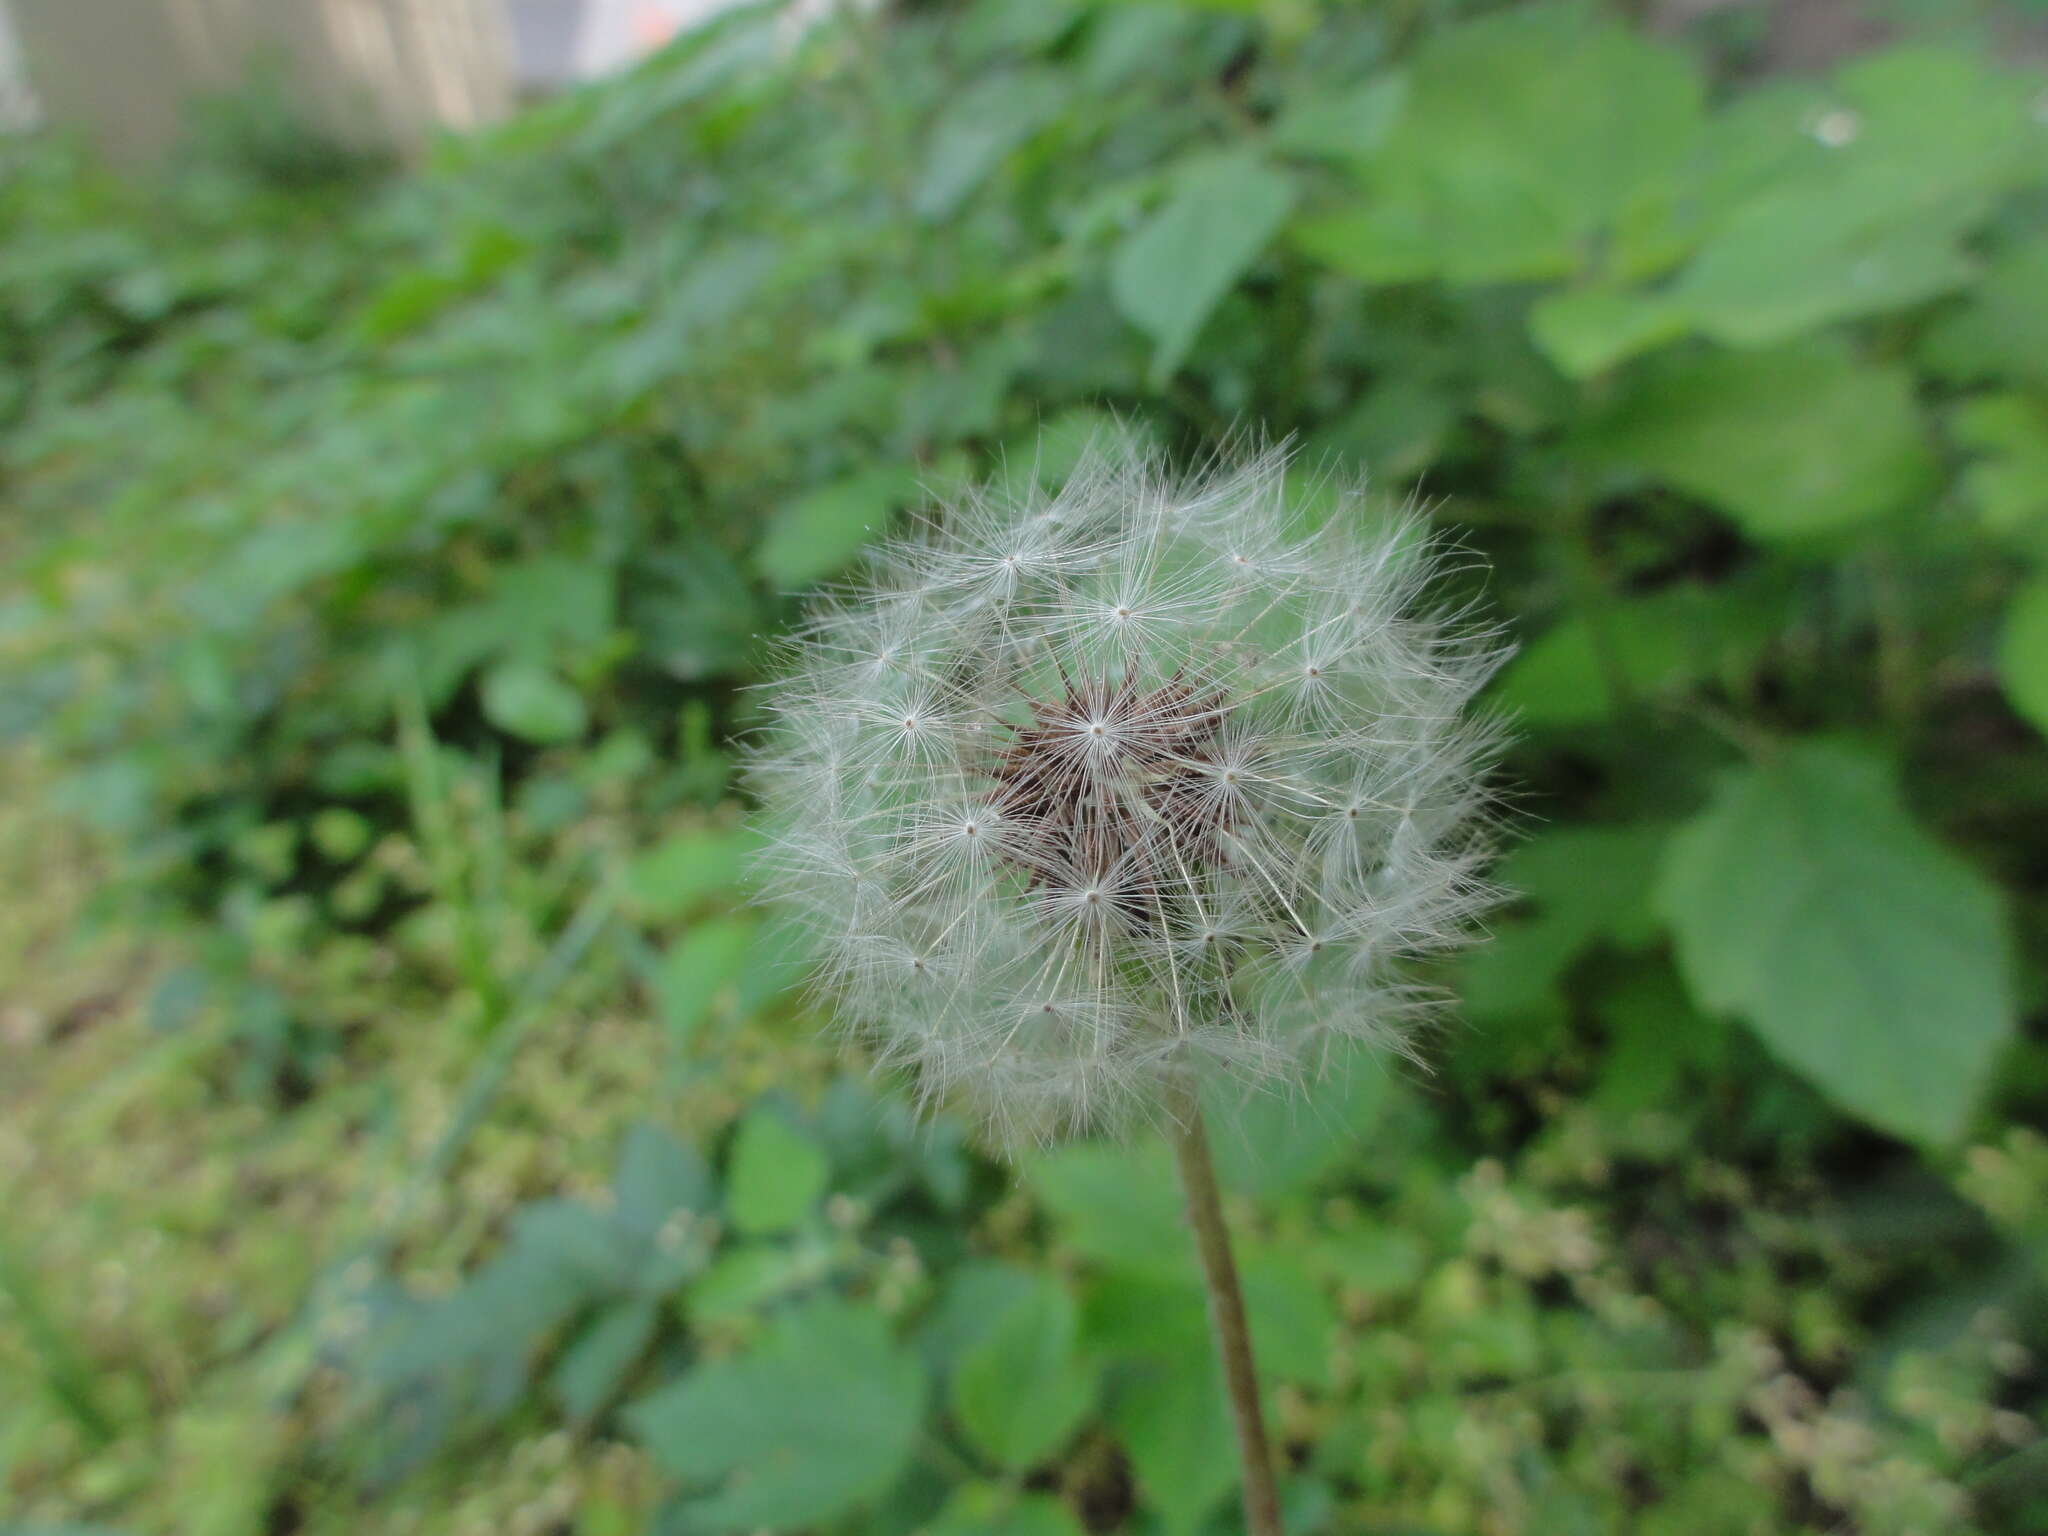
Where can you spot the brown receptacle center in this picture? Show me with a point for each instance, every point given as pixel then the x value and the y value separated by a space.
pixel 1114 789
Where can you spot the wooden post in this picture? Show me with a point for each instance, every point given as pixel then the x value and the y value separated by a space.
pixel 374 73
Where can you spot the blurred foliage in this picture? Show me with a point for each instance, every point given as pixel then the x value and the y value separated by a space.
pixel 405 1127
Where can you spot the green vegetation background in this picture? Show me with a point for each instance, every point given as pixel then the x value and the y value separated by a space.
pixel 403 1126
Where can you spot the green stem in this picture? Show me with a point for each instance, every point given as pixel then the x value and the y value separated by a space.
pixel 1226 1310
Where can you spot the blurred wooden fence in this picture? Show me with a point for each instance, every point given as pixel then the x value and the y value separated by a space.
pixel 371 71
pixel 18 109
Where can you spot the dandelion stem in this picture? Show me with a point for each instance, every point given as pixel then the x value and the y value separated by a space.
pixel 1226 1308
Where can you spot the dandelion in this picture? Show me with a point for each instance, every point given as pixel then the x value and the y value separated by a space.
pixel 1160 757
pixel 1087 796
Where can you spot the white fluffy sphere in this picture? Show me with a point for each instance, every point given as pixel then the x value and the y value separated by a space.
pixel 1076 792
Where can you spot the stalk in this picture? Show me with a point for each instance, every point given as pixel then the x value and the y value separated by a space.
pixel 1226 1310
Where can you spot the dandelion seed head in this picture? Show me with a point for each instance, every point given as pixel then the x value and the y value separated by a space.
pixel 1076 791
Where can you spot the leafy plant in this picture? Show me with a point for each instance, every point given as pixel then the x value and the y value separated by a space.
pixel 389 554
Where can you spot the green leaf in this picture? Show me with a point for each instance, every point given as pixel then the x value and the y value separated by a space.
pixel 551 602
pixel 577 1240
pixel 977 1295
pixel 1527 133
pixel 2001 329
pixel 1870 958
pixel 1581 670
pixel 1164 1317
pixel 776 1174
pixel 692 609
pixel 2023 653
pixel 537 611
pixel 1797 440
pixel 777 954
pixel 1021 1390
pixel 746 1279
pixel 1046 454
pixel 820 1418
pixel 1568 676
pixel 658 1177
pixel 696 969
pixel 974 134
pixel 2009 483
pixel 988 1509
pixel 1654 1036
pixel 1171 272
pixel 655 352
pixel 359 767
pixel 1806 257
pixel 595 1366
pixel 1503 1341
pixel 1117 1205
pixel 1135 1315
pixel 1268 1140
pixel 1171 1419
pixel 1587 885
pixel 1815 205
pixel 497 1317
pixel 1933 120
pixel 1291 1319
pixel 1821 204
pixel 824 529
pixel 997 27
pixel 530 702
pixel 1380 1261
pixel 1382 243
pixel 1393 433
pixel 1346 124
pixel 1588 330
pixel 341 834
pixel 671 878
pixel 699 63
